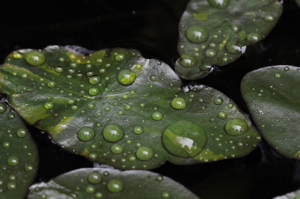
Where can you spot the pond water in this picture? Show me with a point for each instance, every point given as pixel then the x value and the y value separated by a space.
pixel 151 27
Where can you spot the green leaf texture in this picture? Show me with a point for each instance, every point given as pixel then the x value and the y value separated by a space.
pixel 118 108
pixel 213 32
pixel 109 183
pixel 272 96
pixel 18 155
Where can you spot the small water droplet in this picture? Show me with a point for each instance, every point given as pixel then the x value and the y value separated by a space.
pixel 86 134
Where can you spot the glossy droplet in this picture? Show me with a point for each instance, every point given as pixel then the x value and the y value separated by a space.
pixel 153 78
pixel 236 127
pixel 115 186
pixel 48 105
pixel 98 195
pixel 6 144
pixel 94 91
pixel 35 58
pixel 138 130
pixel 13 161
pixel 11 186
pixel 126 77
pixel 3 108
pixel 127 107
pixel 90 189
pixel 277 76
pixel 210 53
pixel 221 4
pixel 157 116
pixel 51 84
pixel 184 139
pixel 86 134
pixel 22 132
pixel 17 55
pixel 28 168
pixel 188 61
pixel 12 177
pixel 218 100
pixel 197 34
pixel 222 115
pixel 235 28
pixel 116 149
pixel 91 106
pixel 113 133
pixel 120 57
pixel 95 178
pixel 94 80
pixel 144 153
pixel 269 18
pixel 59 69
pixel 253 37
pixel 232 48
pixel 178 103
pixel 165 194
pixel 159 178
pixel 138 66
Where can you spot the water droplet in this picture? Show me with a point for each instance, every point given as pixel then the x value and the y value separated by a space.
pixel 165 194
pixel 218 100
pixel 22 132
pixel 127 107
pixel 236 127
pixel 178 103
pixel 286 68
pixel 6 144
pixel 144 153
pixel 138 66
pixel 221 4
pixel 126 77
pixel 159 178
pixel 13 161
pixel 232 48
pixel 120 57
pixel 35 58
pixel 86 134
pixel 184 139
pixel 157 116
pixel 28 168
pixel 12 177
pixel 59 69
pixel 51 84
pixel 94 91
pixel 113 133
pixel 138 130
pixel 48 105
pixel 277 76
pixel 94 80
pixel 188 60
pixel 24 76
pixel 153 78
pixel 116 149
pixel 98 195
pixel 11 186
pixel 210 53
pixel 90 189
pixel 253 37
pixel 95 178
pixel 107 109
pixel 235 28
pixel 115 186
pixel 3 108
pixel 17 55
pixel 91 106
pixel 197 34
pixel 132 158
pixel 269 18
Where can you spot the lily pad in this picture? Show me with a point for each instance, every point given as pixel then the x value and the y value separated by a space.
pixel 298 2
pixel 215 32
pixel 18 155
pixel 272 96
pixel 292 195
pixel 118 108
pixel 109 183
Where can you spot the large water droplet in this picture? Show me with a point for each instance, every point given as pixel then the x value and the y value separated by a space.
pixel 116 149
pixel 120 57
pixel 13 161
pixel 178 103
pixel 115 186
pixel 197 34
pixel 94 80
pixel 210 53
pixel 17 55
pixel 113 133
pixel 253 37
pixel 138 130
pixel 35 58
pixel 221 4
pixel 86 134
pixel 157 116
pixel 184 139
pixel 94 91
pixel 95 178
pixel 144 153
pixel 126 77
pixel 22 132
pixel 90 189
pixel 232 48
pixel 48 105
pixel 188 60
pixel 218 100
pixel 3 108
pixel 236 127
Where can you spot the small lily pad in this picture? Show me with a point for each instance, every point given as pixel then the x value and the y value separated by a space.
pixel 272 96
pixel 93 105
pixel 214 32
pixel 18 155
pixel 292 195
pixel 110 183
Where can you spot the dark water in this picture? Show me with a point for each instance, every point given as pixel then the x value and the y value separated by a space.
pixel 151 27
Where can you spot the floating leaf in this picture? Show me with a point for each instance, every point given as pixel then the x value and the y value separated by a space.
pixel 214 32
pixel 298 2
pixel 118 108
pixel 18 155
pixel 272 97
pixel 292 195
pixel 109 183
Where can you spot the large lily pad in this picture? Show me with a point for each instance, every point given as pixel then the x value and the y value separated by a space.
pixel 213 32
pixel 118 108
pixel 109 183
pixel 292 195
pixel 272 96
pixel 18 155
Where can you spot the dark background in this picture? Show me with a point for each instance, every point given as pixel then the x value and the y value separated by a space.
pixel 151 27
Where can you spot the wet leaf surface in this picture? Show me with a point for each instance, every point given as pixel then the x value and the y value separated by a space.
pixel 109 183
pixel 118 108
pixel 292 195
pixel 18 155
pixel 272 96
pixel 215 32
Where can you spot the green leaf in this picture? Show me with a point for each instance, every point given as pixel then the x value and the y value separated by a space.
pixel 109 183
pixel 18 155
pixel 214 32
pixel 292 195
pixel 272 97
pixel 118 108
pixel 298 2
